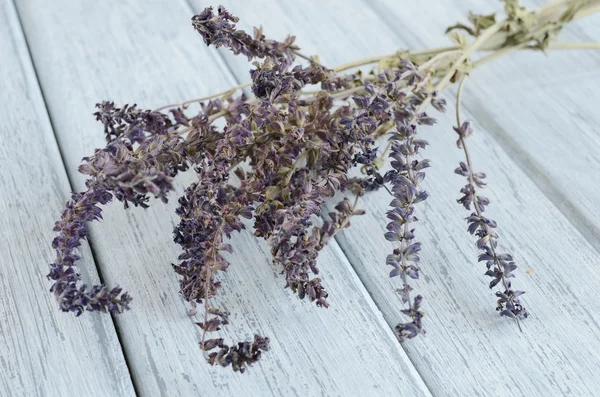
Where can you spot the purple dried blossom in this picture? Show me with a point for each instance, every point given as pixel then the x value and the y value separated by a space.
pixel 240 356
pixel 384 102
pixel 405 178
pixel 220 30
pixel 82 208
pixel 210 210
pixel 143 154
pixel 129 121
pixel 292 246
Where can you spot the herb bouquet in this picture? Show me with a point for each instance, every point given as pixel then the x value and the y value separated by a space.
pixel 275 158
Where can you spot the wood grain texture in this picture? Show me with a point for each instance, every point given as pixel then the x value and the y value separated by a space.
pixel 550 122
pixel 147 52
pixel 468 349
pixel 43 352
pixel 539 107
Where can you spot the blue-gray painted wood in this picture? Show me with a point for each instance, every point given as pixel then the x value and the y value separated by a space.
pixel 541 185
pixel 43 352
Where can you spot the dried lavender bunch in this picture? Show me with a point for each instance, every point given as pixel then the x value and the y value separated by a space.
pixel 282 154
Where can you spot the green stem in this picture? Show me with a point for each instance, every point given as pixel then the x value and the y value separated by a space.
pixel 575 46
pixel 230 91
pixel 549 26
pixel 590 9
pixel 309 59
pixel 433 60
pixel 479 41
pixel 360 62
pixel 498 54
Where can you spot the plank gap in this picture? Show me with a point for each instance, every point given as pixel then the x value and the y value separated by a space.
pixel 70 181
pixel 387 320
pixel 116 325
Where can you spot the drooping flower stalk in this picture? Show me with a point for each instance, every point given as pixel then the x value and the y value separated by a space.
pixel 500 266
pixel 82 208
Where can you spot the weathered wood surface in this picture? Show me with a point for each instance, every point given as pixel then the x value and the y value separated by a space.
pixel 43 352
pixel 542 186
pixel 468 349
pixel 539 108
pixel 148 53
pixel 551 124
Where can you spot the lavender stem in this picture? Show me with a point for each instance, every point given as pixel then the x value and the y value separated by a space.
pixel 511 298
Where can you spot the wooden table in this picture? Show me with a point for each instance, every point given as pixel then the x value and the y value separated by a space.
pixel 536 137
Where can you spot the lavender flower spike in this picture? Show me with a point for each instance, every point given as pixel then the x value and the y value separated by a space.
pixel 220 30
pixel 389 104
pixel 405 178
pixel 82 208
pixel 500 266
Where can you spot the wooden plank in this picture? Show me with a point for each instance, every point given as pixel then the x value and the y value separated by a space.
pixel 542 361
pixel 540 98
pixel 43 352
pixel 468 349
pixel 148 53
pixel 550 122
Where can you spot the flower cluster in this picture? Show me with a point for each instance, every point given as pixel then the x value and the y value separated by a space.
pixel 82 208
pixel 275 161
pixel 210 210
pixel 405 178
pixel 240 356
pixel 143 155
pixel 130 122
pixel 220 30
